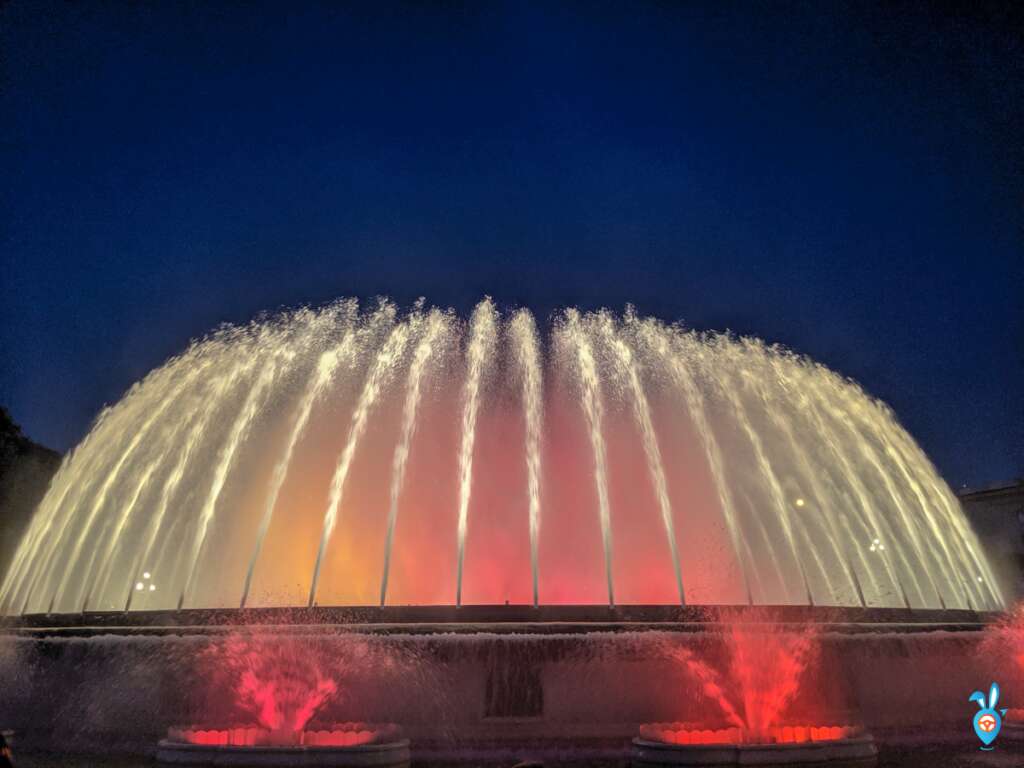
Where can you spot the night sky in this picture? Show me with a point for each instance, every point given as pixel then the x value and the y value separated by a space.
pixel 844 179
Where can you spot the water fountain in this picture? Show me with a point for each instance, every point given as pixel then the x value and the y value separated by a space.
pixel 517 508
pixel 275 687
pixel 335 457
pixel 751 699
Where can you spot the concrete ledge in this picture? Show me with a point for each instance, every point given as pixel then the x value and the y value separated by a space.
pixel 392 754
pixel 489 618
pixel 658 753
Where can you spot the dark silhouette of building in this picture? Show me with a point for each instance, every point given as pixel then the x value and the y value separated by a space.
pixel 25 472
pixel 997 515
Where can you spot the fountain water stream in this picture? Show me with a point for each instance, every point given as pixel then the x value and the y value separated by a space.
pixel 348 456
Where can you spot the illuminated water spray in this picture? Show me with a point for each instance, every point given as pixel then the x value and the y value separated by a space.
pixel 245 444
pixel 381 370
pixel 593 407
pixel 482 329
pixel 524 335
pixel 432 335
pixel 642 411
pixel 319 381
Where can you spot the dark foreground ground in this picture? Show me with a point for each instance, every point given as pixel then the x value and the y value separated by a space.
pixel 1004 755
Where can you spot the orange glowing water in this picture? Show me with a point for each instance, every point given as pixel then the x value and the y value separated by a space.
pixel 318 735
pixel 685 734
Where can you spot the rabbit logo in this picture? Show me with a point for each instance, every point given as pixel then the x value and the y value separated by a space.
pixel 988 720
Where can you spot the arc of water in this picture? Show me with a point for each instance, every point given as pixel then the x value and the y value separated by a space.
pixel 45 517
pixel 768 475
pixel 80 472
pixel 41 523
pixel 140 433
pixel 104 563
pixel 320 379
pixel 99 583
pixel 254 401
pixel 524 336
pixel 642 413
pixel 870 522
pixel 923 549
pixel 878 523
pixel 918 471
pixel 435 327
pixel 113 531
pixel 593 409
pixel 964 539
pixel 821 515
pixel 910 523
pixel 483 331
pixel 758 527
pixel 796 376
pixel 387 358
pixel 230 370
pixel 865 437
pixel 887 433
pixel 659 340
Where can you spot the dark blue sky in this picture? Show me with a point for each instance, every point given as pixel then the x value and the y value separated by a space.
pixel 844 179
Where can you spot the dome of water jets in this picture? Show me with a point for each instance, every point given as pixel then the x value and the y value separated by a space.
pixel 360 456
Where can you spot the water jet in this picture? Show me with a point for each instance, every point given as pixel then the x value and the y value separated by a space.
pixel 524 512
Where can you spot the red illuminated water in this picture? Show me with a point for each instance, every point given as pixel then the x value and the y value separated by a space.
pixel 761 676
pixel 281 682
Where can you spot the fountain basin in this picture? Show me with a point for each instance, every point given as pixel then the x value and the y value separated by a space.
pixel 678 744
pixel 346 744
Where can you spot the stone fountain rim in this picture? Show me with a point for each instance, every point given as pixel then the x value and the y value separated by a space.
pixel 567 619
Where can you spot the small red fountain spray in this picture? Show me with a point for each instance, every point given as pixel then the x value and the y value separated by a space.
pixel 759 681
pixel 767 664
pixel 277 685
pixel 280 682
pixel 269 688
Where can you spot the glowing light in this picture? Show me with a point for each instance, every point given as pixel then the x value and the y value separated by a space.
pixel 980 580
pixel 152 587
pixel 138 586
pixel 145 575
pixel 678 733
pixel 799 502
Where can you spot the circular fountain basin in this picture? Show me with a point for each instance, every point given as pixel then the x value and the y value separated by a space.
pixel 349 744
pixel 677 744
